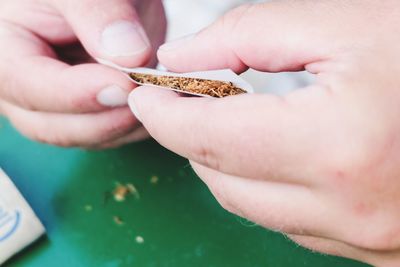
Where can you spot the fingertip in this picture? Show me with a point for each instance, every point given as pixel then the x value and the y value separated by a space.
pixel 177 55
pixel 176 44
pixel 200 51
pixel 111 31
pixel 145 94
pixel 147 97
pixel 169 52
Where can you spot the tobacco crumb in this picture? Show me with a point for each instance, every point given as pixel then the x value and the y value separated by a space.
pixel 121 191
pixel 190 85
pixel 88 208
pixel 118 220
pixel 133 191
pixel 139 239
pixel 154 179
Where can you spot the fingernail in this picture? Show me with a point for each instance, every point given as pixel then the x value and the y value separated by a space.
pixel 132 105
pixel 173 45
pixel 124 38
pixel 108 63
pixel 112 96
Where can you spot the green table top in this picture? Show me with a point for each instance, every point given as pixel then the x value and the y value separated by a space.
pixel 179 220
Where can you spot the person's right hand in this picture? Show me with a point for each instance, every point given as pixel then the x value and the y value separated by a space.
pixel 321 164
pixel 52 90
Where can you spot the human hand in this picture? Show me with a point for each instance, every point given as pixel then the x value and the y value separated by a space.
pixel 52 89
pixel 321 164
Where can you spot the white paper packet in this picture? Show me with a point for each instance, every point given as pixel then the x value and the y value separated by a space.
pixel 224 75
pixel 19 226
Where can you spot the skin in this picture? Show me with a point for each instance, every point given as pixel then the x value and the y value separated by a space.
pixel 49 79
pixel 321 164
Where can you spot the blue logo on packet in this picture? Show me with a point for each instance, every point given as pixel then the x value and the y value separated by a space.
pixel 9 222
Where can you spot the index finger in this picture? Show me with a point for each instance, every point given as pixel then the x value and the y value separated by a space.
pixel 256 136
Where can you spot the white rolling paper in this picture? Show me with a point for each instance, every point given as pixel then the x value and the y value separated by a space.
pixel 19 226
pixel 225 75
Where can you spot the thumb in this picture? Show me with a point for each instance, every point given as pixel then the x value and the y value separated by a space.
pixel 274 36
pixel 109 30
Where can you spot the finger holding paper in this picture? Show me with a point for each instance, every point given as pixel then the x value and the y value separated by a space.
pixel 337 139
pixel 48 72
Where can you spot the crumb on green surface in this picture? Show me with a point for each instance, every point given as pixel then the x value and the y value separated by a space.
pixel 122 191
pixel 88 207
pixel 154 179
pixel 133 190
pixel 118 220
pixel 139 239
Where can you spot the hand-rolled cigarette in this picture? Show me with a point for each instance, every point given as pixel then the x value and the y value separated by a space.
pixel 189 85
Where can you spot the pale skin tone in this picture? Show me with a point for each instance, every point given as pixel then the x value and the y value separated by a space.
pixel 321 164
pixel 52 89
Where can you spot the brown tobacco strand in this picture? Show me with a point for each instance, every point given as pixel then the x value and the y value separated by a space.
pixel 190 85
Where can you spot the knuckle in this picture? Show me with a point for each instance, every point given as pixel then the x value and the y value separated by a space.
pixel 364 175
pixel 233 19
pixel 45 137
pixel 43 134
pixel 32 133
pixel 205 155
pixel 70 5
pixel 229 26
pixel 81 101
pixel 365 160
pixel 205 147
pixel 117 125
pixel 10 90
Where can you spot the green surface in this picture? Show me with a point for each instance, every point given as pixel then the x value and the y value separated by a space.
pixel 180 221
